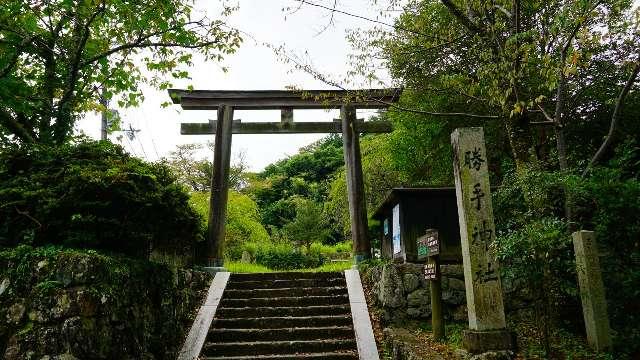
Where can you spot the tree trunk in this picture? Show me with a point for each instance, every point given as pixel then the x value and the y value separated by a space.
pixel 521 141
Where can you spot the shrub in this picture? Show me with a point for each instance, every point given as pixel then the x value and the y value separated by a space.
pixel 286 257
pixel 531 244
pixel 92 194
pixel 338 251
pixel 608 202
pixel 320 249
pixel 242 222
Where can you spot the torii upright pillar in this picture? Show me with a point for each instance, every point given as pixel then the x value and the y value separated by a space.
pixel 219 189
pixel 355 184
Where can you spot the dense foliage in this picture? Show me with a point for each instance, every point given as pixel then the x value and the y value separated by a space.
pixel 58 58
pixel 286 257
pixel 92 194
pixel 242 224
pixel 546 80
pixel 292 190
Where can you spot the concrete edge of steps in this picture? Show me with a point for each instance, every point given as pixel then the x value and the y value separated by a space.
pixel 365 340
pixel 201 325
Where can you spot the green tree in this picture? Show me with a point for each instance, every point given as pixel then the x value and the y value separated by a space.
pixel 242 223
pixel 197 174
pixel 57 57
pixel 306 174
pixel 525 64
pixel 308 226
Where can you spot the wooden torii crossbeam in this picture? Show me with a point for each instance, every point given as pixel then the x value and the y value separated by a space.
pixel 226 101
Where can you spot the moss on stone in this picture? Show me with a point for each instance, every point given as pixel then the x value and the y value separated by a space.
pixel 94 305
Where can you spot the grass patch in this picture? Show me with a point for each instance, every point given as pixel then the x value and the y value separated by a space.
pixel 239 267
pixel 335 266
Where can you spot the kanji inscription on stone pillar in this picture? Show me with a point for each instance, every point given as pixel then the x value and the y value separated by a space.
pixel 477 230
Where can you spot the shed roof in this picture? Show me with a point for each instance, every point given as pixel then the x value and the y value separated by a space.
pixel 396 194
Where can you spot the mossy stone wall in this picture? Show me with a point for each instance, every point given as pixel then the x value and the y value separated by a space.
pixel 69 304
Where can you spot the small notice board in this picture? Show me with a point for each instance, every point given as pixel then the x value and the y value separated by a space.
pixel 430 271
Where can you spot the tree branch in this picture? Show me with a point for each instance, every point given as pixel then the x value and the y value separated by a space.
pixel 7 68
pixel 16 128
pixel 464 20
pixel 546 115
pixel 75 64
pixel 614 119
pixel 141 42
pixel 417 111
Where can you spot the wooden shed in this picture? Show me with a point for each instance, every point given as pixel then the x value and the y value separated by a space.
pixel 405 215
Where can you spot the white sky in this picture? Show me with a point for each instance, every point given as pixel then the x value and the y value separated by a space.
pixel 253 67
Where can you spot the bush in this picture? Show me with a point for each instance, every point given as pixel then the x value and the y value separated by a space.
pixel 608 202
pixel 286 257
pixel 92 194
pixel 242 223
pixel 531 244
pixel 339 251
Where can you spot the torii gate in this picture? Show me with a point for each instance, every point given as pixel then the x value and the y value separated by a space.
pixel 225 102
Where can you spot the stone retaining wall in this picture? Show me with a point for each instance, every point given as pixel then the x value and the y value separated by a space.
pixel 82 305
pixel 402 293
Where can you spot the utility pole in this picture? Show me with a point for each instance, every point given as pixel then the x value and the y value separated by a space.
pixel 105 122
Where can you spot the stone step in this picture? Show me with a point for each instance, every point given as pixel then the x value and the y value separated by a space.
pixel 284 276
pixel 219 335
pixel 282 322
pixel 286 301
pixel 247 312
pixel 285 292
pixel 275 284
pixel 276 347
pixel 343 355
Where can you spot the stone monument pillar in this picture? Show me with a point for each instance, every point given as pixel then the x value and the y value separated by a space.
pixel 594 304
pixel 487 326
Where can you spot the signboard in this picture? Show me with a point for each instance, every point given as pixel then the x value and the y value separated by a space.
pixel 433 242
pixel 385 227
pixel 428 244
pixel 423 250
pixel 431 271
pixel 395 231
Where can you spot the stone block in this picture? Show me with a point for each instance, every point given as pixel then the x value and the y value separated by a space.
pixel 456 284
pixel 477 342
pixel 411 282
pixel 419 298
pixel 477 230
pixel 453 297
pixel 592 294
pixel 494 355
pixel 456 271
pixel 414 313
pixel 391 290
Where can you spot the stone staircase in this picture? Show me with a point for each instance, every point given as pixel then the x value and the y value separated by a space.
pixel 282 316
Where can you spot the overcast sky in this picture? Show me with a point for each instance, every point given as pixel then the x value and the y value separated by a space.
pixel 253 67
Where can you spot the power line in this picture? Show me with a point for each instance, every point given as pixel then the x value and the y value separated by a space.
pixel 333 9
pixel 142 147
pixel 133 150
pixel 155 149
